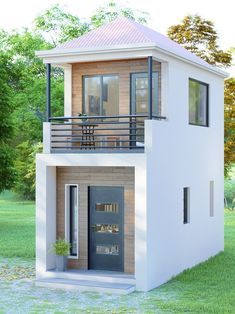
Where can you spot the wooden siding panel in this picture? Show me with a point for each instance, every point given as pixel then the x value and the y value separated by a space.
pixel 122 68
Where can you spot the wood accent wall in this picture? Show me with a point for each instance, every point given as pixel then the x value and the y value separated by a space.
pixel 97 176
pixel 123 68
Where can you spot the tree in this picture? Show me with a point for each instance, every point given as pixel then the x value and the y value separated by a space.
pixel 229 125
pixel 25 166
pixel 111 10
pixel 59 26
pixel 199 36
pixel 6 127
pixel 29 100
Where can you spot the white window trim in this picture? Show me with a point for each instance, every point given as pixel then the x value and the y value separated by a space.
pixel 67 227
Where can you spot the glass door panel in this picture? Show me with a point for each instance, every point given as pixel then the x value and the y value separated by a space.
pixel 101 95
pixel 139 103
pixel 92 92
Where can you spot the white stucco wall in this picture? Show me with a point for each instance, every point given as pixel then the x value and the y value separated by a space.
pixel 176 155
pixel 46 205
pixel 184 156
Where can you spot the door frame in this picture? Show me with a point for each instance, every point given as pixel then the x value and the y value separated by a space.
pixel 132 107
pixel 131 88
pixel 89 220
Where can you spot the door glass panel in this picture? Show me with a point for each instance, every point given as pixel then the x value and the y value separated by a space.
pixel 140 93
pixel 140 103
pixel 107 249
pixel 141 83
pixel 73 215
pixel 92 95
pixel 101 95
pixel 105 228
pixel 110 95
pixel 107 207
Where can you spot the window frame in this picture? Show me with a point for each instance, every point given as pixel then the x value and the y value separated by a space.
pixel 207 102
pixel 101 76
pixel 67 217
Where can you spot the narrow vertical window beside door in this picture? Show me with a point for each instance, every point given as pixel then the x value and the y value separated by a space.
pixel 186 205
pixel 71 218
pixel 211 198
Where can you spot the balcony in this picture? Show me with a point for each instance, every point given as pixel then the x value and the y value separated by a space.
pixel 99 134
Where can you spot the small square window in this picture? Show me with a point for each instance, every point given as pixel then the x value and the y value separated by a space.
pixel 198 103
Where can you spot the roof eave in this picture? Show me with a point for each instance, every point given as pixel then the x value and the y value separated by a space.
pixel 56 56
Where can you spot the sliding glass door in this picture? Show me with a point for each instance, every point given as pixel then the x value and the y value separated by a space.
pixel 101 95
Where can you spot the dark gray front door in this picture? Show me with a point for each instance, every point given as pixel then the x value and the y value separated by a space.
pixel 106 228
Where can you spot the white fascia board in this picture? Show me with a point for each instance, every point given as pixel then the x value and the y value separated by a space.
pixel 96 50
pixel 207 67
pixel 61 56
pixel 75 56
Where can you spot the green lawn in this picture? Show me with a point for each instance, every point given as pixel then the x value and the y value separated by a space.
pixel 207 288
pixel 17 227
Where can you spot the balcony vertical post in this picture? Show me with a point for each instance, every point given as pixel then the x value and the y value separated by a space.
pixel 48 91
pixel 150 87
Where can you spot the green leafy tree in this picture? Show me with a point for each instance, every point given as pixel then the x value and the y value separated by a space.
pixel 59 26
pixel 29 101
pixel 229 125
pixel 26 168
pixel 111 10
pixel 199 36
pixel 7 79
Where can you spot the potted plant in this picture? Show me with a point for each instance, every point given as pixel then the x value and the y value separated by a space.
pixel 61 249
pixel 82 115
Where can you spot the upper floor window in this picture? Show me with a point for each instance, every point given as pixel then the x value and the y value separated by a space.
pixel 198 103
pixel 101 95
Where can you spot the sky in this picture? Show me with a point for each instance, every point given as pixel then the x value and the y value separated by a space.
pixel 15 14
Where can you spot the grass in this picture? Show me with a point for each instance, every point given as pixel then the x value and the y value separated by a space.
pixel 206 288
pixel 210 286
pixel 17 227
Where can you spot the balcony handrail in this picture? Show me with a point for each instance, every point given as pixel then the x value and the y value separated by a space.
pixel 103 133
pixel 105 117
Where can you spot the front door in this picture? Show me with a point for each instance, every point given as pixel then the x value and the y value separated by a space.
pixel 106 228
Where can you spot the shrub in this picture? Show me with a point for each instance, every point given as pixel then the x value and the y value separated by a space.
pixel 61 247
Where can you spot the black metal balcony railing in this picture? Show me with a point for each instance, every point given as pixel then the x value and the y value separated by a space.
pixel 122 132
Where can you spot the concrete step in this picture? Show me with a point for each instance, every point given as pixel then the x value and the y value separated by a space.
pixel 85 285
pixel 93 275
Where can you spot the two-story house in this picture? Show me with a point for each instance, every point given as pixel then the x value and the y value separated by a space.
pixel 132 174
